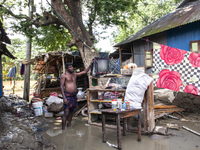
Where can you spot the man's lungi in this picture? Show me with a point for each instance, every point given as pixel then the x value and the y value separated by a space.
pixel 71 100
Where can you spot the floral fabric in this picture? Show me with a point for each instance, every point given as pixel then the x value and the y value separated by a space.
pixel 176 69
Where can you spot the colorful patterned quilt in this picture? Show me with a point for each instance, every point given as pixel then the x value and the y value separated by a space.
pixel 176 69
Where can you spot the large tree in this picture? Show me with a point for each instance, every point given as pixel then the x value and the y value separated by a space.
pixel 69 14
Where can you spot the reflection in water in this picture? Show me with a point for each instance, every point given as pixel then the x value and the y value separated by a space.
pixel 82 136
pixel 53 133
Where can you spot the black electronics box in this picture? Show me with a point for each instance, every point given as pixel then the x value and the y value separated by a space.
pixel 100 66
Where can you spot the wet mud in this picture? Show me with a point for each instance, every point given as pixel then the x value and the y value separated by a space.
pixel 89 137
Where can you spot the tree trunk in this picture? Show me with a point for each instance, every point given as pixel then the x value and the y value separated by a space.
pixel 80 35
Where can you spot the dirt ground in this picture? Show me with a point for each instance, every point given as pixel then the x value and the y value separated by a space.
pixel 20 129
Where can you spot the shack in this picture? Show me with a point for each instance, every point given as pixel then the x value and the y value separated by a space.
pixel 49 67
pixel 178 29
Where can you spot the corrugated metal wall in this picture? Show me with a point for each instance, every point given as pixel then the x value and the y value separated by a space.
pixel 180 37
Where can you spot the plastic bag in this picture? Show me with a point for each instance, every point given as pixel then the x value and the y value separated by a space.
pixel 136 88
pixel 55 107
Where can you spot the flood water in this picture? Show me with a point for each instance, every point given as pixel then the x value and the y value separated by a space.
pixel 81 136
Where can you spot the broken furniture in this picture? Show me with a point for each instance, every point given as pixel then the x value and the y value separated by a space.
pixel 121 114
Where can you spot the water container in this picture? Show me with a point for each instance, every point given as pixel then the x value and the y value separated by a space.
pixel 38 108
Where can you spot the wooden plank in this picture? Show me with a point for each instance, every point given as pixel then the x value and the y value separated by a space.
pixel 164 106
pixel 151 121
pixel 107 90
pixel 168 110
pixel 144 106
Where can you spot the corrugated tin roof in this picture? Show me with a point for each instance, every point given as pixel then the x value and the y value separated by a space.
pixel 174 19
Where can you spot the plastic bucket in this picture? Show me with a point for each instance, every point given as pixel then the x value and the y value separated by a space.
pixel 38 108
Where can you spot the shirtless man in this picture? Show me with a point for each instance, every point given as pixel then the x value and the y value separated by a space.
pixel 69 91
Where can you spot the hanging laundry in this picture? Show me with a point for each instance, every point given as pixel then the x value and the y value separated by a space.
pixel 22 69
pixel 176 69
pixel 12 73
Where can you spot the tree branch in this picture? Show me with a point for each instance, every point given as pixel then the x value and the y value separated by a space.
pixel 46 19
pixel 7 11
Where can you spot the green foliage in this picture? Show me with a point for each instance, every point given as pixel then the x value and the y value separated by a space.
pixel 107 12
pixel 52 37
pixel 147 12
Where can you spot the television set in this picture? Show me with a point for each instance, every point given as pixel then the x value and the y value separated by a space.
pixel 100 66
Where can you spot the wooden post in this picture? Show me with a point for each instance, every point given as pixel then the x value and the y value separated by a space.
pixel 1 79
pixel 144 106
pixel 63 62
pixel 26 90
pixel 132 53
pixel 119 133
pixel 139 126
pixel 103 128
pixel 120 57
pixel 14 86
pixel 151 120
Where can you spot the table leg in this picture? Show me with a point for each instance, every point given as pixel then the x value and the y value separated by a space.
pixel 124 126
pixel 139 126
pixel 118 132
pixel 103 128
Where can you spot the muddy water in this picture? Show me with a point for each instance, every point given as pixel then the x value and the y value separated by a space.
pixel 81 136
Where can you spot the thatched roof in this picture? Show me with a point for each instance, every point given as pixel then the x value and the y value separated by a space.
pixel 55 58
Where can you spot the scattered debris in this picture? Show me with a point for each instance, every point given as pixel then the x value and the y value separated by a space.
pixel 173 126
pixel 111 145
pixel 20 128
pixel 170 116
pixel 160 137
pixel 190 130
pixel 160 130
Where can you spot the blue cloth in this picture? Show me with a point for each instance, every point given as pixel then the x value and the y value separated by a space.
pixel 12 72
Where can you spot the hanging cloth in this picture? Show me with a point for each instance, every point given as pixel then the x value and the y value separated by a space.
pixel 22 69
pixel 12 73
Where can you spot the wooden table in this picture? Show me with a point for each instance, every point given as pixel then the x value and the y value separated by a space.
pixel 121 114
